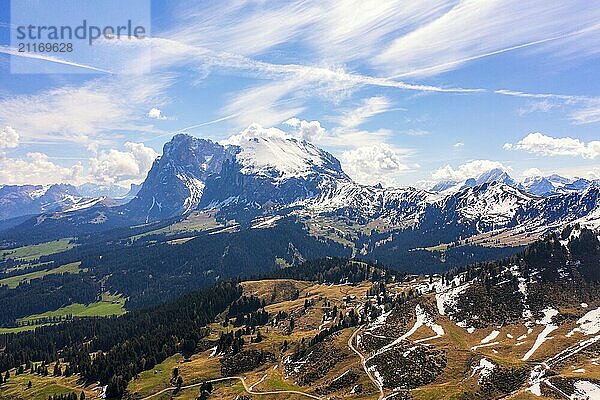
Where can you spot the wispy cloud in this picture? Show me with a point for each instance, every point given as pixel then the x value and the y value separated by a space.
pixel 585 109
pixel 369 107
pixel 481 29
pixel 44 57
pixel 91 112
pixel 456 63
pixel 588 114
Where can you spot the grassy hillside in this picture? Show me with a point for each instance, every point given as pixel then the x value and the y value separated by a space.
pixel 27 253
pixel 13 281
pixel 109 305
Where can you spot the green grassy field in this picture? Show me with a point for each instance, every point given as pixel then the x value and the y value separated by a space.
pixel 195 222
pixel 27 253
pixel 108 306
pixel 42 387
pixel 13 281
pixel 20 329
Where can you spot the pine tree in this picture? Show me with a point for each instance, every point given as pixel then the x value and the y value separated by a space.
pixel 57 371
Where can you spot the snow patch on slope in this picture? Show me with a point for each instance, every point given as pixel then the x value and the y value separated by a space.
pixel 195 187
pixel 585 390
pixel 493 335
pixel 484 368
pixel 589 324
pixel 543 336
pixel 446 295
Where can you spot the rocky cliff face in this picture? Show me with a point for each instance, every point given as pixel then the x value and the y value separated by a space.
pixel 255 174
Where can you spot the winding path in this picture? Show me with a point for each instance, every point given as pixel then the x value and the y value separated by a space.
pixel 362 361
pixel 557 358
pixel 248 389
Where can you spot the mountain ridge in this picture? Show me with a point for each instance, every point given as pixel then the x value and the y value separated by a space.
pixel 260 177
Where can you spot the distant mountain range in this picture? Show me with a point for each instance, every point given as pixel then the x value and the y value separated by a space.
pixel 259 177
pixel 111 190
pixel 543 186
pixel 16 201
pixel 22 200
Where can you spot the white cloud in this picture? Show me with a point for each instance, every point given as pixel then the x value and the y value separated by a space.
pixel 390 34
pixel 532 172
pixel 265 104
pixel 368 108
pixel 588 114
pixel 325 29
pixel 311 131
pixel 256 131
pixel 374 164
pixel 586 109
pixel 458 145
pixel 342 138
pixel 115 166
pixel 479 29
pixel 84 114
pixel 417 132
pixel 468 170
pixel 9 138
pixel 156 113
pixel 544 105
pixel 37 168
pixel 538 143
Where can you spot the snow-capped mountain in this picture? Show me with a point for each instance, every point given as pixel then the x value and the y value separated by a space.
pixel 254 174
pixel 398 207
pixel 493 175
pixel 536 185
pixel 16 201
pixel 176 181
pixel 268 176
pixel 555 184
pixel 449 186
pixel 483 207
pixel 260 176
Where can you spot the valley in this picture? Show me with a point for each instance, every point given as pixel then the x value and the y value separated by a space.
pixel 299 200
pixel 232 273
pixel 347 329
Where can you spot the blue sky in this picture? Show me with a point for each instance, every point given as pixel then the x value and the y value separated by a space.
pixel 401 92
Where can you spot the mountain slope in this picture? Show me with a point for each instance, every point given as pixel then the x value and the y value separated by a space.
pixel 522 327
